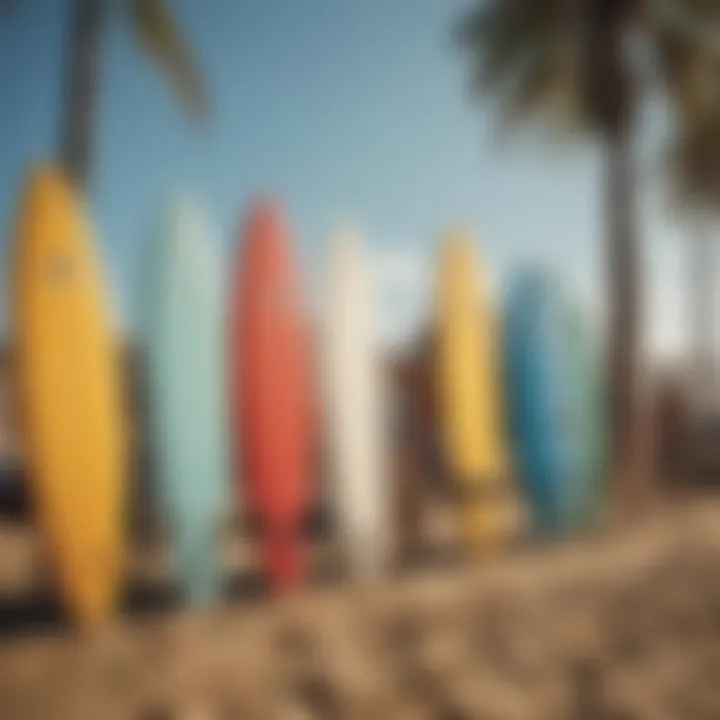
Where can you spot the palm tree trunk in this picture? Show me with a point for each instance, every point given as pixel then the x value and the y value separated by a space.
pixel 83 70
pixel 626 431
pixel 702 320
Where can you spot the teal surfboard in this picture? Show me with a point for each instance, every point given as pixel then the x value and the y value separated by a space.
pixel 554 390
pixel 181 317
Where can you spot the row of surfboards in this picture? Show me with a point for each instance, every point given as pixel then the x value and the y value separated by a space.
pixel 233 387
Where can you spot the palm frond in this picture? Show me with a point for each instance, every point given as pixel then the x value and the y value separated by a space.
pixel 162 40
pixel 502 34
pixel 526 54
pixel 689 68
pixel 693 161
pixel 682 70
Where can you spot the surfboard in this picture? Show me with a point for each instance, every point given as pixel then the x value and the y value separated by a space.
pixel 468 385
pixel 354 412
pixel 537 412
pixel 555 404
pixel 272 391
pixel 586 505
pixel 186 392
pixel 69 383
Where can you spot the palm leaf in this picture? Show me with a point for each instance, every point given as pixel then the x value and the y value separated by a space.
pixel 502 34
pixel 684 68
pixel 689 67
pixel 527 55
pixel 694 165
pixel 162 40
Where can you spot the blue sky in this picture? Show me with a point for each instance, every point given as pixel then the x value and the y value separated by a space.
pixel 346 111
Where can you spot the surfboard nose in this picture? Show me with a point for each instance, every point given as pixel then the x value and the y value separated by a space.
pixel 265 217
pixel 266 232
pixel 44 199
pixel 46 179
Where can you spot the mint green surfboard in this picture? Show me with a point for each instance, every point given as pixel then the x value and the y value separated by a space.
pixel 182 323
pixel 586 495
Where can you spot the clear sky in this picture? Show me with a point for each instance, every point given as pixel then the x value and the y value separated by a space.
pixel 346 111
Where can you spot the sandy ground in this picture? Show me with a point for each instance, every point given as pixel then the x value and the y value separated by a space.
pixel 623 625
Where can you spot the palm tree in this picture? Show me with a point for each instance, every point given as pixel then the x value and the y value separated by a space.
pixel 695 173
pixel 161 39
pixel 578 64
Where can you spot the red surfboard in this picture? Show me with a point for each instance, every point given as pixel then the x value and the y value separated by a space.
pixel 272 395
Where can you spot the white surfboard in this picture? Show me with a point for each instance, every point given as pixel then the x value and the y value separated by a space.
pixel 354 407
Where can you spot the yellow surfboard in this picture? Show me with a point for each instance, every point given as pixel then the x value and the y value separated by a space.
pixel 69 384
pixel 468 384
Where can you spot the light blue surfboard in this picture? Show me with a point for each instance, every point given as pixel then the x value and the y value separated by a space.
pixel 182 322
pixel 555 405
pixel 536 412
